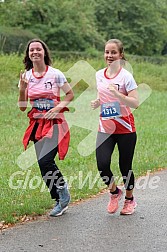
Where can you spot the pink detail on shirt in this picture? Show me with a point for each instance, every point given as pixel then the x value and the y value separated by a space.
pixel 46 86
pixel 124 82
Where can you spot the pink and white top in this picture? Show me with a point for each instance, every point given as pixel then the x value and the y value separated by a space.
pixel 123 121
pixel 46 86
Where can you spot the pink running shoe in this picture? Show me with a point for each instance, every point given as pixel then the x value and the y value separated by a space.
pixel 129 207
pixel 113 203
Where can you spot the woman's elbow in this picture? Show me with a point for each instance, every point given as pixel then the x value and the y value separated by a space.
pixel 70 95
pixel 136 104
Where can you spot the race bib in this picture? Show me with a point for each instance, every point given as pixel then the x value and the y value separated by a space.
pixel 43 104
pixel 110 110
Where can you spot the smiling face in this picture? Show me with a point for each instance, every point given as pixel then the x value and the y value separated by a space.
pixel 36 52
pixel 112 53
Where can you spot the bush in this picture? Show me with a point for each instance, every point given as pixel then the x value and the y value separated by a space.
pixel 88 53
pixel 14 39
pixel 159 60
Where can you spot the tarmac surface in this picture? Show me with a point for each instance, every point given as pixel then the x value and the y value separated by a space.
pixel 88 227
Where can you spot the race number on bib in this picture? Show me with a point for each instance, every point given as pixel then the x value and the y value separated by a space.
pixel 43 104
pixel 110 110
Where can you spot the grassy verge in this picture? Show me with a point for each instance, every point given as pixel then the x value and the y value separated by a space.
pixel 79 170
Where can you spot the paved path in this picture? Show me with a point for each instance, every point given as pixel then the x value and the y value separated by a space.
pixel 88 227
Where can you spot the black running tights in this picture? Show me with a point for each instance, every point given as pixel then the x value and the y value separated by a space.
pixel 104 148
pixel 46 151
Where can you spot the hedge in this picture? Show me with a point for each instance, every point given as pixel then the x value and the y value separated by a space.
pixel 14 39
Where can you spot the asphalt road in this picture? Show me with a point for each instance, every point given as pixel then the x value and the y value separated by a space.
pixel 88 227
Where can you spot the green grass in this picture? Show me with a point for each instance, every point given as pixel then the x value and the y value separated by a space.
pixel 150 151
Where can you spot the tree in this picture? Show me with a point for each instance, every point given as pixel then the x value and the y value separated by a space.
pixel 139 24
pixel 79 25
pixel 63 25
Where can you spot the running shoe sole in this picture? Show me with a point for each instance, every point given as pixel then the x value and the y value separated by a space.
pixel 59 214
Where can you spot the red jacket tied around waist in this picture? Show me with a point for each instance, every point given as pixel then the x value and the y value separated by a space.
pixel 45 129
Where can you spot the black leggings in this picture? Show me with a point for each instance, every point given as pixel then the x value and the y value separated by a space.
pixel 46 150
pixel 104 148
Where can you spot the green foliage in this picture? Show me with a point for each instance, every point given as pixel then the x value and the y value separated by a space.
pixel 141 25
pixel 77 25
pixel 14 39
pixel 63 25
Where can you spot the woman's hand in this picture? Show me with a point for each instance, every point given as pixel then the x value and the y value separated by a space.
pixel 23 81
pixel 113 89
pixel 131 100
pixel 95 103
pixel 52 113
pixel 23 94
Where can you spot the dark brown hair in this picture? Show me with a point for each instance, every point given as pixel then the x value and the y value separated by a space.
pixel 28 63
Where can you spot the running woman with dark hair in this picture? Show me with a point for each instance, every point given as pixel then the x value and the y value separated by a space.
pixel 40 84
